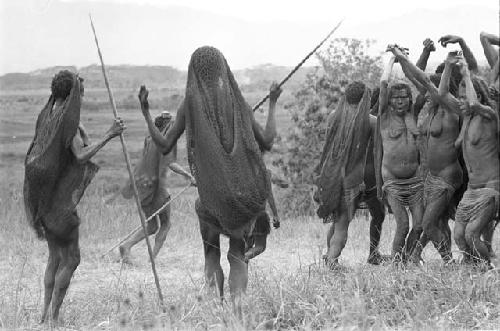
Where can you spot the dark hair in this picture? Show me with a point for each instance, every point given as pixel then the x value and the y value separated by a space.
pixel 161 122
pixel 399 87
pixel 354 92
pixel 481 88
pixel 62 84
pixel 374 97
pixel 435 79
pixel 439 68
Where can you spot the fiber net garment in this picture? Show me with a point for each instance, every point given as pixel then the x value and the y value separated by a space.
pixel 223 154
pixel 54 182
pixel 408 192
pixel 474 203
pixel 150 174
pixel 348 130
pixel 434 187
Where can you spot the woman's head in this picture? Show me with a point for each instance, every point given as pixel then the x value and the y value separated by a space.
pixel 481 89
pixel 400 98
pixel 62 83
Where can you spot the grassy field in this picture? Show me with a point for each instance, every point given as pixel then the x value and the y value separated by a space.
pixel 289 287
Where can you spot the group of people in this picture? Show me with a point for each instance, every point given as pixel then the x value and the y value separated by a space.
pixel 389 150
pixel 436 154
pixel 224 143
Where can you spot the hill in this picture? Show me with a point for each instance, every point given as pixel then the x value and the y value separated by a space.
pixel 252 79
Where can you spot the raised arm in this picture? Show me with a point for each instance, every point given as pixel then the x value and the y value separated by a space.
pixel 167 142
pixel 445 97
pixel 419 75
pixel 469 57
pixel 488 40
pixel 421 64
pixel 472 104
pixel 413 70
pixel 85 153
pixel 420 88
pixel 426 52
pixel 494 73
pixel 384 84
pixel 265 138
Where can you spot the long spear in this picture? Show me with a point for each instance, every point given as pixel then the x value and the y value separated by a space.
pixel 129 167
pixel 298 65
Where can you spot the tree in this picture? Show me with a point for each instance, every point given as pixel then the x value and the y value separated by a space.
pixel 344 61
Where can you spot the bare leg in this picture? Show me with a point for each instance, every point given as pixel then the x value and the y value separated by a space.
pixel 445 228
pixel 487 235
pixel 50 274
pixel 258 248
pixel 339 237
pixel 474 229
pixel 125 248
pixel 416 255
pixel 459 236
pixel 417 212
pixel 161 236
pixel 214 275
pixel 238 274
pixel 419 247
pixel 329 235
pixel 378 214
pixel 259 236
pixel 432 217
pixel 69 261
pixel 402 228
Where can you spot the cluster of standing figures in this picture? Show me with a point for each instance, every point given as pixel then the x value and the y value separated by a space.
pixel 410 154
pixel 437 156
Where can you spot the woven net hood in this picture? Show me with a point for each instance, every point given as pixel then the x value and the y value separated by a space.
pixel 223 154
pixel 54 182
pixel 348 129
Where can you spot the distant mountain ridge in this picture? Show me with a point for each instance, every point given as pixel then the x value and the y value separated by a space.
pixel 132 76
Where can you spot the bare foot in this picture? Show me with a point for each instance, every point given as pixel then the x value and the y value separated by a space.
pixel 417 260
pixel 376 258
pixel 125 255
pixel 330 262
pixel 253 252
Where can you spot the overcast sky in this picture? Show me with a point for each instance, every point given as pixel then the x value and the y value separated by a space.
pixel 358 11
pixel 39 33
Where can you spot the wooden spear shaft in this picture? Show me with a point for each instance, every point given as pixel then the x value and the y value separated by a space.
pixel 129 168
pixel 298 66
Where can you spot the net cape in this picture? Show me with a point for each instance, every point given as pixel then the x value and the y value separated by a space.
pixel 348 128
pixel 223 154
pixel 54 181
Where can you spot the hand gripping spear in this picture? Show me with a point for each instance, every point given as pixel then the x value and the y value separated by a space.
pixel 129 167
pixel 298 66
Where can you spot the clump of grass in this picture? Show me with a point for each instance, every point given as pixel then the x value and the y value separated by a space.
pixel 289 287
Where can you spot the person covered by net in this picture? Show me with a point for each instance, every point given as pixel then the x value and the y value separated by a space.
pixel 58 169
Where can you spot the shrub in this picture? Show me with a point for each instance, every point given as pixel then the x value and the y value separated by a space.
pixel 345 60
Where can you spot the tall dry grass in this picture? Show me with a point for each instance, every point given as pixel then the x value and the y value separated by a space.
pixel 289 287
